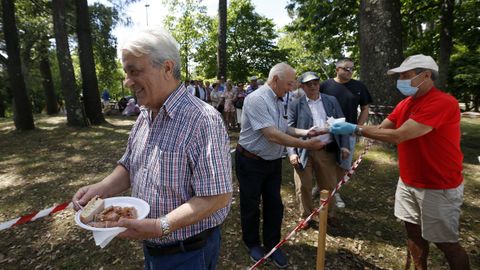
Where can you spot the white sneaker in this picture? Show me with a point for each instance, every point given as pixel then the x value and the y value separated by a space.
pixel 338 201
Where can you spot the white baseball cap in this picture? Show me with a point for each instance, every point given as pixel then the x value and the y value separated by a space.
pixel 253 78
pixel 413 62
pixel 309 76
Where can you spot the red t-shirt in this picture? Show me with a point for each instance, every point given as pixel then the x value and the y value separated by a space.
pixel 433 160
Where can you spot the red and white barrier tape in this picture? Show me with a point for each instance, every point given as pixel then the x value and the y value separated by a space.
pixel 35 215
pixel 45 212
pixel 297 228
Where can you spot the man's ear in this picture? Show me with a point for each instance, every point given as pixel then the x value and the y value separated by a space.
pixel 168 65
pixel 429 74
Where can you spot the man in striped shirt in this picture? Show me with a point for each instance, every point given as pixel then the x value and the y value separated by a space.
pixel 177 159
pixel 262 142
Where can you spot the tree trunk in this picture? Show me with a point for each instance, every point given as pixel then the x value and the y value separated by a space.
pixel 2 105
pixel 446 43
pixel 222 40
pixel 73 106
pixel 91 94
pixel 47 81
pixel 22 112
pixel 380 48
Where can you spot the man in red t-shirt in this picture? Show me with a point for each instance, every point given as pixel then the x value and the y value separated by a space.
pixel 426 128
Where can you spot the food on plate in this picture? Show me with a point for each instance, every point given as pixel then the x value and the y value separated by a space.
pixel 112 214
pixel 93 207
pixel 95 213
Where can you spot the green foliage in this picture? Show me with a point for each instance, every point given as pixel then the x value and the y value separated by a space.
pixel 188 29
pixel 206 55
pixel 251 47
pixel 465 76
pixel 305 60
pixel 327 26
pixel 103 19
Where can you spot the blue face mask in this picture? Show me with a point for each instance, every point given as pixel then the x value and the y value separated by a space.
pixel 405 87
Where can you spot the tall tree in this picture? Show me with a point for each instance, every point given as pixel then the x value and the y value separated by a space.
pixel 75 111
pixel 326 26
pixel 188 29
pixel 102 20
pixel 47 80
pixel 251 42
pixel 222 40
pixel 380 48
pixel 23 117
pixel 91 94
pixel 446 41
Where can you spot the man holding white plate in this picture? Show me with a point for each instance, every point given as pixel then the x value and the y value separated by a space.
pixel 177 159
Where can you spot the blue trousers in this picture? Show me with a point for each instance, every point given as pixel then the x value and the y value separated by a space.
pixel 204 258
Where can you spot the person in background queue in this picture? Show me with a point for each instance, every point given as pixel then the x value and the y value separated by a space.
pixel 313 109
pixel 253 85
pixel 351 94
pixel 263 135
pixel 177 159
pixel 425 126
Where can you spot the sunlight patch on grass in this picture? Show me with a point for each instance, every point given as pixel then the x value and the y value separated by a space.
pixel 9 180
pixel 52 120
pixel 76 159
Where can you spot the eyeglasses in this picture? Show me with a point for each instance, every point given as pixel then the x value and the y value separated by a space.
pixel 348 69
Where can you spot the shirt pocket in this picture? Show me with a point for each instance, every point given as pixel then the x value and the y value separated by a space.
pixel 169 170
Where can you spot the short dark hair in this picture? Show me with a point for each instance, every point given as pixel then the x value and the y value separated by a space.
pixel 343 61
pixel 433 72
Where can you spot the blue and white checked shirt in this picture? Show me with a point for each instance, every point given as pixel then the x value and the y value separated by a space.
pixel 262 108
pixel 182 153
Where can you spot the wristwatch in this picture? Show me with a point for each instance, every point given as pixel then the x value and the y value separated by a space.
pixel 358 131
pixel 165 226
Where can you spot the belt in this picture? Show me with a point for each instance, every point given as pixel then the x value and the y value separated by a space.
pixel 247 154
pixel 192 243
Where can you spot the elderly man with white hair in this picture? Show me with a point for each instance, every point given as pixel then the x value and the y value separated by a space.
pixel 425 126
pixel 262 142
pixel 177 159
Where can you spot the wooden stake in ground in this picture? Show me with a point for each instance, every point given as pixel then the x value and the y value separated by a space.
pixel 322 231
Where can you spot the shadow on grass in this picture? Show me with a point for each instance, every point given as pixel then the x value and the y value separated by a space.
pixel 46 166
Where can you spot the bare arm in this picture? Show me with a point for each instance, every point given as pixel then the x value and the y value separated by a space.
pixel 297 132
pixel 363 116
pixel 115 183
pixel 276 136
pixel 409 130
pixel 196 209
pixel 191 212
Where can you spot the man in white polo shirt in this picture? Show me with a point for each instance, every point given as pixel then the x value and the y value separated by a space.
pixel 262 142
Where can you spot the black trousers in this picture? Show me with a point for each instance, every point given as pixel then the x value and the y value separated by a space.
pixel 260 179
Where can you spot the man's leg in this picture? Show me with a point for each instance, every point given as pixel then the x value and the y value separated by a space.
pixel 272 205
pixel 456 256
pixel 325 173
pixel 250 188
pixel 303 187
pixel 417 246
pixel 343 167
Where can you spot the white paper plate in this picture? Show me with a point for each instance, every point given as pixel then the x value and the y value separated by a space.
pixel 142 207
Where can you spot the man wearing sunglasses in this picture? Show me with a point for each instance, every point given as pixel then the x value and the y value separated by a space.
pixel 350 94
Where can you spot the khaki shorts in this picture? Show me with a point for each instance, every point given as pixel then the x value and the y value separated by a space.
pixel 437 211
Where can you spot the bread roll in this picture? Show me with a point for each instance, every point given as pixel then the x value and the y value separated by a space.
pixel 93 207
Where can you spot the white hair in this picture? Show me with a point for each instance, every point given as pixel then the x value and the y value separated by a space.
pixel 158 44
pixel 280 70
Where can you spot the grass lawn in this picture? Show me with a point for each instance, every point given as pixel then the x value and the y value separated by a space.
pixel 46 166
